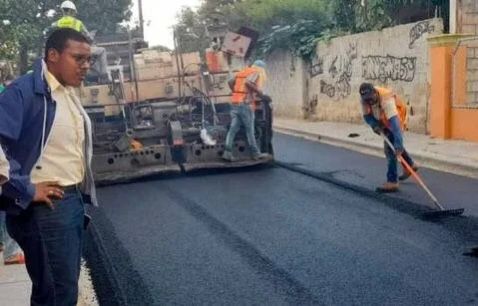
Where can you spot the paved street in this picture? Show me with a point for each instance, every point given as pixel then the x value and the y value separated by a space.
pixel 275 236
pixel 367 172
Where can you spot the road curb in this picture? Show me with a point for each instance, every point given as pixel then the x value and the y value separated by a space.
pixel 428 161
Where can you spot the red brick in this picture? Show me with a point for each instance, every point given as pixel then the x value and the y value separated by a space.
pixel 472 75
pixel 470 52
pixel 472 64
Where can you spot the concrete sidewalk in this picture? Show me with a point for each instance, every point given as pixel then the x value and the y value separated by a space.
pixel 453 156
pixel 15 286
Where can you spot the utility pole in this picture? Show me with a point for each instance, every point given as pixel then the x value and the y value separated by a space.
pixel 176 56
pixel 141 21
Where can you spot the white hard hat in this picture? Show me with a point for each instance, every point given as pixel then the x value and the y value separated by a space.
pixel 68 5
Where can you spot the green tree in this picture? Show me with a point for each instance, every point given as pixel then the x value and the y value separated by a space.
pixel 297 25
pixel 190 31
pixel 191 25
pixel 366 15
pixel 27 20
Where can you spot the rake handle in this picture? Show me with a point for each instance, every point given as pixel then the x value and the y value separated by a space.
pixel 414 174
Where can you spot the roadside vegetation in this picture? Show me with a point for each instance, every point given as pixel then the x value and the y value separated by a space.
pixel 297 25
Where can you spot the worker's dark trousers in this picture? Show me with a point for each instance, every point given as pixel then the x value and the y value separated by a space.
pixel 392 175
pixel 52 243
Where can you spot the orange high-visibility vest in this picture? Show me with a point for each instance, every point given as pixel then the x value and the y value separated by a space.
pixel 240 89
pixel 384 94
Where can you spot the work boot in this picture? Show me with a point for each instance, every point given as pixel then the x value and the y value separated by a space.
pixel 259 156
pixel 406 174
pixel 388 187
pixel 227 156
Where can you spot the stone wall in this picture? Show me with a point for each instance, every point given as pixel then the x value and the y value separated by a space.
pixel 394 57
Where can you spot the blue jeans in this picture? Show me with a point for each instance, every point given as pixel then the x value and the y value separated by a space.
pixel 392 165
pixel 52 243
pixel 242 114
pixel 10 246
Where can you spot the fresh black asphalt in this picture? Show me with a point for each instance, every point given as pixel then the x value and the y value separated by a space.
pixel 274 236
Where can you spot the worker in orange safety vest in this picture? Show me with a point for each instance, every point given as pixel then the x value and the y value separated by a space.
pixel 386 113
pixel 246 87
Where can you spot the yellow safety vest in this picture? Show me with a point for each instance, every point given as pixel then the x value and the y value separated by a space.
pixel 70 22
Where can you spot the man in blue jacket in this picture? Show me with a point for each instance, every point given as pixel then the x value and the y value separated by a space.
pixel 46 136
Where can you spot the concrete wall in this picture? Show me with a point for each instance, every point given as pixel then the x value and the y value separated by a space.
pixel 286 84
pixel 395 57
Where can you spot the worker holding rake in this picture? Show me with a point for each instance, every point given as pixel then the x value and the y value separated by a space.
pixel 386 113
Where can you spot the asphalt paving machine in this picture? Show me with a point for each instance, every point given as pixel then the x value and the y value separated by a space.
pixel 164 112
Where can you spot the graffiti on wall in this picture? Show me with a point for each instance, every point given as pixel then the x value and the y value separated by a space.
pixel 340 70
pixel 418 30
pixel 384 68
pixel 317 67
pixel 327 89
pixel 333 68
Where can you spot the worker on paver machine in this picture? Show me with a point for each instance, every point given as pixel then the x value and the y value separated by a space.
pixel 246 87
pixel 69 20
pixel 386 113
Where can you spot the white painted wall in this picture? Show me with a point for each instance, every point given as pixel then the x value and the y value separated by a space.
pixel 395 57
pixel 286 84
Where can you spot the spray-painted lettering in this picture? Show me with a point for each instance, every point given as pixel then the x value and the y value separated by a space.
pixel 418 30
pixel 384 68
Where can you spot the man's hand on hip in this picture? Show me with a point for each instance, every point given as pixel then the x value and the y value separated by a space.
pixel 45 192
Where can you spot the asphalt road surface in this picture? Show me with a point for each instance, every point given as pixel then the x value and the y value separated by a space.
pixel 310 233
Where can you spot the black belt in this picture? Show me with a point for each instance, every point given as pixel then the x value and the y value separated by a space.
pixel 71 188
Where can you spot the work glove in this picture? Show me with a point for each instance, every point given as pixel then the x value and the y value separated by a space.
pixel 265 98
pixel 377 129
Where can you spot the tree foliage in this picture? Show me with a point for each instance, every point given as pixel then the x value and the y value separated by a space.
pixel 27 19
pixel 190 31
pixel 297 25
